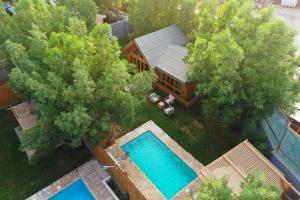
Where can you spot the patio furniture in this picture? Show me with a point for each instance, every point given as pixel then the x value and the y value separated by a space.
pixel 169 100
pixel 161 105
pixel 169 111
pixel 154 98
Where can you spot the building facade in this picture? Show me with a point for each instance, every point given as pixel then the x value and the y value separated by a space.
pixel 164 51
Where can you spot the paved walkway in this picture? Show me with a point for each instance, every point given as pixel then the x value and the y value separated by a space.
pixel 91 173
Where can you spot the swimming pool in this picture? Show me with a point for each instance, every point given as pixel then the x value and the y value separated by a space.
pixel 75 191
pixel 161 165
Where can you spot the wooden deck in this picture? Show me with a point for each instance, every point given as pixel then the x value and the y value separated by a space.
pixel 178 98
pixel 91 173
pixel 137 177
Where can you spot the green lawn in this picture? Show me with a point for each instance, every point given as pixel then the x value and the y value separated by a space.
pixel 190 130
pixel 19 179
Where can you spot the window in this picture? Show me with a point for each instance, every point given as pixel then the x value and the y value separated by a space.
pixel 176 84
pixel 142 66
pixel 163 76
pixel 168 79
pixel 130 59
pixel 139 64
pixel 172 81
pixel 147 67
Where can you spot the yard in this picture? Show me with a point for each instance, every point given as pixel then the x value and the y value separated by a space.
pixel 18 178
pixel 190 130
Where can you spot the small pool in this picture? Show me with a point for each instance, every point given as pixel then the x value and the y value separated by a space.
pixel 161 165
pixel 75 191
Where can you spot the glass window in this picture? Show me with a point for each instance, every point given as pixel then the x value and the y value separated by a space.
pixel 142 66
pixel 176 84
pixel 168 79
pixel 139 64
pixel 163 76
pixel 172 81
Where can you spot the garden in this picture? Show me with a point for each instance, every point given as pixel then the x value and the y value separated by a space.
pixel 18 177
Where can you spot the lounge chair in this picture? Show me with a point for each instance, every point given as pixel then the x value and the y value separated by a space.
pixel 170 100
pixel 154 98
pixel 169 111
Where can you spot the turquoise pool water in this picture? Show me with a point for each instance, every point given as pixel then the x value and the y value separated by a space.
pixel 76 191
pixel 161 165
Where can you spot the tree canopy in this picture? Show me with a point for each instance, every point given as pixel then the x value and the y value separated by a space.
pixel 151 15
pixel 76 77
pixel 252 189
pixel 105 5
pixel 85 10
pixel 243 60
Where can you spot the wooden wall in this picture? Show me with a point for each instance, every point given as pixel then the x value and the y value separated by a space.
pixel 183 92
pixel 118 174
pixel 7 97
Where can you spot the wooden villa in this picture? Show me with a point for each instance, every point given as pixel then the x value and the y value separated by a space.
pixel 164 52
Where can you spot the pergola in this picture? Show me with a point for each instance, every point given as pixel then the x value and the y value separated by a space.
pixel 24 114
pixel 243 160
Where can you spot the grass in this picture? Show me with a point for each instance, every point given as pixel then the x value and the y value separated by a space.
pixel 188 128
pixel 18 178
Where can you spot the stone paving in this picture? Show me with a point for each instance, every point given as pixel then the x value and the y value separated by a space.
pixel 91 173
pixel 137 177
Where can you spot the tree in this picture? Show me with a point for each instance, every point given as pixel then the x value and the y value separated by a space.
pixel 252 188
pixel 105 5
pixel 187 17
pixel 85 10
pixel 32 13
pixel 243 60
pixel 216 189
pixel 77 80
pixel 151 15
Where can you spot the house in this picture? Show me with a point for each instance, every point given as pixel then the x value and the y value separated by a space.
pixel 164 51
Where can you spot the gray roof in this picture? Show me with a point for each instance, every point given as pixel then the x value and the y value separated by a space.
pixel 172 62
pixel 165 49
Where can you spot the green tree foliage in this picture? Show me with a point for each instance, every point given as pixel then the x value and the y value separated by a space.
pixel 105 5
pixel 252 189
pixel 216 189
pixel 29 13
pixel 78 81
pixel 244 61
pixel 151 15
pixel 85 10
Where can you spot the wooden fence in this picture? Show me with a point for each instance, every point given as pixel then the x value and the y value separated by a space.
pixel 118 174
pixel 7 97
